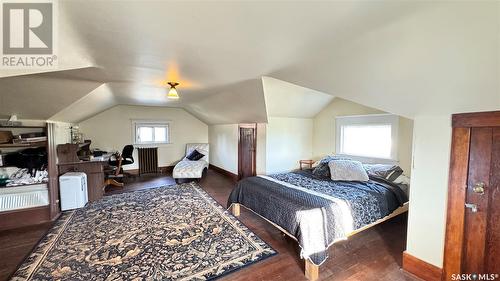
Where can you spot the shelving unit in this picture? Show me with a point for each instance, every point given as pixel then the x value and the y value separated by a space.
pixel 28 184
pixel 40 214
pixel 23 145
pixel 23 127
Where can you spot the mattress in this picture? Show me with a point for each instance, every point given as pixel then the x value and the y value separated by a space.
pixel 21 197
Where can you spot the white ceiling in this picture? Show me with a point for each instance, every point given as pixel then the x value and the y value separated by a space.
pixel 407 58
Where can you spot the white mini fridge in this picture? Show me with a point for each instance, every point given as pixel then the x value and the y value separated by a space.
pixel 73 190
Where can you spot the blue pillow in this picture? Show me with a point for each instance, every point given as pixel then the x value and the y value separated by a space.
pixel 322 170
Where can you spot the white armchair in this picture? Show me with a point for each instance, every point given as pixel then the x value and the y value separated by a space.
pixel 187 169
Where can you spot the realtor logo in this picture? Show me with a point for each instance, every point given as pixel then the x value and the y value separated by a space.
pixel 28 35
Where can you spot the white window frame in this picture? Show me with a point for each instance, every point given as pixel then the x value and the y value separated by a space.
pixel 372 119
pixel 151 123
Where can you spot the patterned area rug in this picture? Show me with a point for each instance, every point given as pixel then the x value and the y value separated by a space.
pixel 175 232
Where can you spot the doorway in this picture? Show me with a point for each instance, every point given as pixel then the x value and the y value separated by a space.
pixel 247 144
pixel 472 239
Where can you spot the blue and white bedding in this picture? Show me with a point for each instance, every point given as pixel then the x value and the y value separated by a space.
pixel 317 211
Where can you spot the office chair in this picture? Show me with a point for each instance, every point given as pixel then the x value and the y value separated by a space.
pixel 127 158
pixel 117 161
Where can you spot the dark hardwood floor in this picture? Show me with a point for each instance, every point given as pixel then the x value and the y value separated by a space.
pixel 374 254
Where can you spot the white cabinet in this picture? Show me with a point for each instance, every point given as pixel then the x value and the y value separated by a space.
pixel 73 190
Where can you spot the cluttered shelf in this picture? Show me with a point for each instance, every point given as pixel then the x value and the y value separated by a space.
pixel 23 145
pixel 21 185
pixel 22 127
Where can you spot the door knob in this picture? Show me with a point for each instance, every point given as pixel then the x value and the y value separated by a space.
pixel 478 188
pixel 472 207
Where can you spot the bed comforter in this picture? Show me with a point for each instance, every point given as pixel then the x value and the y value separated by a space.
pixel 317 212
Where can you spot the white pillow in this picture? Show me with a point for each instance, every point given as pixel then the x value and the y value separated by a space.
pixel 347 170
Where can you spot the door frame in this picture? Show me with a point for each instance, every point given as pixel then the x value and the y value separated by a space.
pixel 462 125
pixel 254 164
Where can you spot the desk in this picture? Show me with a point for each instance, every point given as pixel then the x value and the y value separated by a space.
pixel 95 175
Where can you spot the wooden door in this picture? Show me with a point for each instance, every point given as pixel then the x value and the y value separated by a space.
pixel 472 242
pixel 247 150
pixel 482 213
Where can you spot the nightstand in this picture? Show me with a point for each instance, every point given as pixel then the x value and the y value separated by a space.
pixel 306 163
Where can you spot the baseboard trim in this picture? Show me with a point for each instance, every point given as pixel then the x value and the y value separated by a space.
pixel 420 268
pixel 223 172
pixel 163 170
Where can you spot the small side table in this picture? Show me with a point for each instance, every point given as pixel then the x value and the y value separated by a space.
pixel 306 163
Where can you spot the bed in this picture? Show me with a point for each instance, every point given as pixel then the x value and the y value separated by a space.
pixel 318 212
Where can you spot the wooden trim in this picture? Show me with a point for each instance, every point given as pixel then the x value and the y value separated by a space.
pixel 254 164
pixel 24 217
pixel 223 172
pixel 53 184
pixel 476 119
pixel 457 187
pixel 420 268
pixel 248 125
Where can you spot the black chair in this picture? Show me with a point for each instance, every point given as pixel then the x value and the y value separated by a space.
pixel 114 176
pixel 127 158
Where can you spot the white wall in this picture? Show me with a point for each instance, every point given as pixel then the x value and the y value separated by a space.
pixel 429 182
pixel 224 147
pixel 324 130
pixel 111 130
pixel 288 140
pixel 261 148
pixel 223 140
pixel 62 132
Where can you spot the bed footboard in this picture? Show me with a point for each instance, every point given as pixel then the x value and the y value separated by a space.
pixel 235 209
pixel 311 271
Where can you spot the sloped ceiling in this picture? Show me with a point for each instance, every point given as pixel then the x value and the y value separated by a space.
pixel 39 96
pixel 441 60
pixel 285 99
pixel 407 58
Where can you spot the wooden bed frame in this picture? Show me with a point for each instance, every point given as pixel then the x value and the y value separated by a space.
pixel 311 270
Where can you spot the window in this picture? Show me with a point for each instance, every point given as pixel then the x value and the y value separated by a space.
pixel 152 132
pixel 367 136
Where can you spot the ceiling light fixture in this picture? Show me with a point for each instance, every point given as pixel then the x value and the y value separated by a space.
pixel 172 92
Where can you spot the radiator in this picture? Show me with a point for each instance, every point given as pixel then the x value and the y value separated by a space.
pixel 148 160
pixel 20 197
